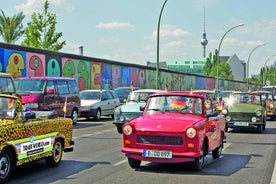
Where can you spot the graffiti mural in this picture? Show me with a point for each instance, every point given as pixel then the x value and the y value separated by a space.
pixel 35 64
pixel 93 73
pixel 68 67
pixel 15 63
pixel 83 76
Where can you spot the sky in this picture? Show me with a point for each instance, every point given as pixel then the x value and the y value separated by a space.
pixel 126 30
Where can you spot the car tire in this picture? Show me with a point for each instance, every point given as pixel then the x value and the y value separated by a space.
pixel 54 160
pixel 216 153
pixel 133 163
pixel 6 162
pixel 74 116
pixel 200 161
pixel 119 129
pixel 97 117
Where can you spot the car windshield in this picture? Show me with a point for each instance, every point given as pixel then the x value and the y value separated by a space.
pixel 28 85
pixel 182 104
pixel 6 85
pixel 122 92
pixel 7 107
pixel 88 95
pixel 244 98
pixel 138 96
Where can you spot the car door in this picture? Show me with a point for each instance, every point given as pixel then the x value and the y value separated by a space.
pixel 212 124
pixel 111 102
pixel 105 104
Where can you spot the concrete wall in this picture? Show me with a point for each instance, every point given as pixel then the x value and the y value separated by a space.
pixel 96 73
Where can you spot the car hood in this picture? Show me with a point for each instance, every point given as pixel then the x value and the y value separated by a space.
pixel 29 98
pixel 88 102
pixel 165 122
pixel 131 107
pixel 243 107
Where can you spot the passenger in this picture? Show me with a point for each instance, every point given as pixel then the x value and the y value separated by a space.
pixel 195 106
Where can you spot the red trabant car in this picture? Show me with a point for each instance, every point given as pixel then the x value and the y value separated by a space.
pixel 174 127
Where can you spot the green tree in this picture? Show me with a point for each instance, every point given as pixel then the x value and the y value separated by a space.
pixel 208 65
pixel 41 31
pixel 11 28
pixel 212 66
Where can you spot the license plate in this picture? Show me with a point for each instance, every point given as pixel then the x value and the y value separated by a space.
pixel 157 153
pixel 241 124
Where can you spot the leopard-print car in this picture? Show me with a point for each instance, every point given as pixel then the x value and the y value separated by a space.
pixel 23 140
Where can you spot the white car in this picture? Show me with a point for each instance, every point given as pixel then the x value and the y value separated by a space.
pixel 131 108
pixel 97 103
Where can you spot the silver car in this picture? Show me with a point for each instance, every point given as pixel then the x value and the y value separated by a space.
pixel 97 103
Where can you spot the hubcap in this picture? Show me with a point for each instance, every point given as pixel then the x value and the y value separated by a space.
pixel 4 166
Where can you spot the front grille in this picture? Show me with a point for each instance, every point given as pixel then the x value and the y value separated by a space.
pixel 167 140
pixel 241 116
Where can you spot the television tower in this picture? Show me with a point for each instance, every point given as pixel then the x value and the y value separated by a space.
pixel 204 40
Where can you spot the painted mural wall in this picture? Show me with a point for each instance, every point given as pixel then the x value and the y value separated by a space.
pixel 95 73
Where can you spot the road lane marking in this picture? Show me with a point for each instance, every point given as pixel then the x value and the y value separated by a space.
pixel 273 177
pixel 120 162
pixel 94 133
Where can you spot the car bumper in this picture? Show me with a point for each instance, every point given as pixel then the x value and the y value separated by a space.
pixel 176 157
pixel 242 124
pixel 70 148
pixel 88 113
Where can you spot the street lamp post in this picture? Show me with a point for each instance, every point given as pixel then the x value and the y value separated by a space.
pixel 218 59
pixel 157 62
pixel 265 66
pixel 247 67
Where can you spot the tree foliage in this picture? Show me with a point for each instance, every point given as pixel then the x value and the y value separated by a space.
pixel 41 31
pixel 212 68
pixel 11 28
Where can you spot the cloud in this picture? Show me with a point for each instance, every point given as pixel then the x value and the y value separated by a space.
pixel 169 32
pixel 114 25
pixel 58 6
pixel 108 40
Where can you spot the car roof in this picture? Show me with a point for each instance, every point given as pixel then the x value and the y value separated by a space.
pixel 45 78
pixel 261 91
pixel 95 90
pixel 147 90
pixel 177 93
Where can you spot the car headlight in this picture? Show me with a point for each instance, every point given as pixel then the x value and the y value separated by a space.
pixel 117 111
pixel 228 118
pixel 258 113
pixel 122 118
pixel 253 119
pixel 271 106
pixel 191 132
pixel 224 111
pixel 127 130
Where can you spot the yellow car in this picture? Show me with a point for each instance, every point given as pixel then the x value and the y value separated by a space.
pixel 25 139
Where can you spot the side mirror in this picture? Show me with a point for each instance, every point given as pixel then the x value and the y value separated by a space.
pixel 142 108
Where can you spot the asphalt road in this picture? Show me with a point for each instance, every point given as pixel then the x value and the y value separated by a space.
pixel 248 157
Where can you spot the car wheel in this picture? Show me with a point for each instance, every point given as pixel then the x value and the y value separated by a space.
pixel 119 129
pixel 6 163
pixel 133 163
pixel 74 116
pixel 54 160
pixel 216 153
pixel 226 127
pixel 260 128
pixel 199 162
pixel 264 125
pixel 97 117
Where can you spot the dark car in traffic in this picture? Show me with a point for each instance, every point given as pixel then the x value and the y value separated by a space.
pixel 123 92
